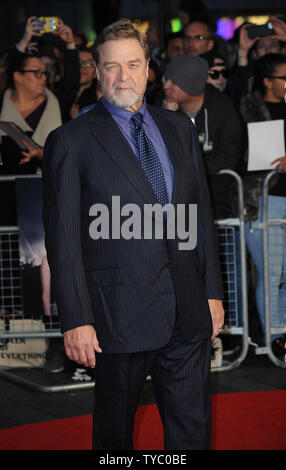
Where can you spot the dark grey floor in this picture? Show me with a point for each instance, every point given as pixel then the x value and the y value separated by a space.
pixel 25 403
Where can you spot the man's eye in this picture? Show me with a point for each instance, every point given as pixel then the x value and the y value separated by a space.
pixel 111 67
pixel 133 66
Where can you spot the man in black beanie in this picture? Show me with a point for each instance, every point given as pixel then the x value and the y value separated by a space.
pixel 217 122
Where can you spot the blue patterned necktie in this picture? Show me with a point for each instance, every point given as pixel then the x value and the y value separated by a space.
pixel 149 160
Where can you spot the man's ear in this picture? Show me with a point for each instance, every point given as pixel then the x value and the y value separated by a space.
pixel 210 44
pixel 147 67
pixel 97 72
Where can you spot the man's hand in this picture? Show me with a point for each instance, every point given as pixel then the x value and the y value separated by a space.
pixel 279 28
pixel 32 28
pixel 245 43
pixel 217 313
pixel 65 33
pixel 81 344
pixel 281 163
pixel 170 105
pixel 32 48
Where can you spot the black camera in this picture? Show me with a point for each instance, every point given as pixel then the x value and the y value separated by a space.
pixel 261 31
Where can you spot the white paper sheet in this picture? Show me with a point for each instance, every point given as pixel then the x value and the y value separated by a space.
pixel 266 143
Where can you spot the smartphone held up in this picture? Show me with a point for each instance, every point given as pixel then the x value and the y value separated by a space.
pixel 47 24
pixel 255 31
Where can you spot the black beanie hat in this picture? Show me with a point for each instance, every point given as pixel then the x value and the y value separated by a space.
pixel 189 72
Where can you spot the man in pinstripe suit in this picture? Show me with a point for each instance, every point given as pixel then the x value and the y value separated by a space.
pixel 132 305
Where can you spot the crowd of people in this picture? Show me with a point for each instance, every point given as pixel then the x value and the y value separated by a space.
pixel 50 79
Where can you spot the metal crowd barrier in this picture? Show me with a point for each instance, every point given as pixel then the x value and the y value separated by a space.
pixel 231 240
pixel 270 252
pixel 12 309
pixel 232 251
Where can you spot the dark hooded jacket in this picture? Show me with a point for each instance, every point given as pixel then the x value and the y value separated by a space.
pixel 219 131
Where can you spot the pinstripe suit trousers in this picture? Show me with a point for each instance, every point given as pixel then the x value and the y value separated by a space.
pixel 180 374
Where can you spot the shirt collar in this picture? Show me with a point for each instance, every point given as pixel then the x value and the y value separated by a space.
pixel 122 115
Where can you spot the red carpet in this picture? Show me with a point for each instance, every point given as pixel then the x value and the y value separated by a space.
pixel 241 421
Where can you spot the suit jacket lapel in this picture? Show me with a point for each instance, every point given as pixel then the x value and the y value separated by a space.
pixel 106 131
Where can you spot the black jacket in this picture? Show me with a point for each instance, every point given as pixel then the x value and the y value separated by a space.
pixel 66 89
pixel 129 289
pixel 88 96
pixel 219 130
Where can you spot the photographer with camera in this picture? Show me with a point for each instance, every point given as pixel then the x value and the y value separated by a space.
pixel 254 42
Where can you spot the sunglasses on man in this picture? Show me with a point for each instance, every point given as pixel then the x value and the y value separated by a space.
pixel 281 77
pixel 214 74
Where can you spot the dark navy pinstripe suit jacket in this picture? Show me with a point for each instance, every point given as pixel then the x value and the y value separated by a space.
pixel 128 289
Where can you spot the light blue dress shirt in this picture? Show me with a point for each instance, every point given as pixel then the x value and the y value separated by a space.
pixel 122 118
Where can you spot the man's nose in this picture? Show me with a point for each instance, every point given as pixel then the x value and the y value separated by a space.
pixel 123 73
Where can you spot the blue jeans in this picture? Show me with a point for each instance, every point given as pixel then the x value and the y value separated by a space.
pixel 277 261
pixel 231 253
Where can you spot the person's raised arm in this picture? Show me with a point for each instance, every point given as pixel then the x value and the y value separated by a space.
pixel 279 28
pixel 245 44
pixel 66 34
pixel 31 29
